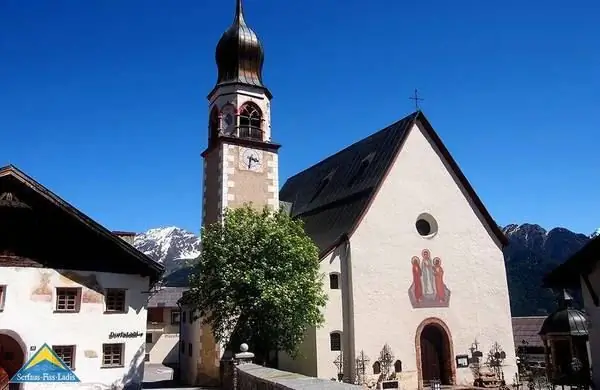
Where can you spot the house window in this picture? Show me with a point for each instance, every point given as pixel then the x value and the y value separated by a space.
pixel 112 355
pixel 115 300
pixel 175 314
pixel 149 338
pixel 335 339
pixel 2 297
pixel 191 319
pixel 68 299
pixel 334 281
pixel 183 316
pixel 155 314
pixel 66 353
pixel 189 349
pixel 182 347
pixel 147 357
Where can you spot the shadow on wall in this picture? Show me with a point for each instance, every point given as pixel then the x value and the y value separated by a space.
pixel 93 291
pixel 132 380
pixel 172 356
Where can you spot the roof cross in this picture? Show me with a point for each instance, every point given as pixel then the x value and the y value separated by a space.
pixel 417 99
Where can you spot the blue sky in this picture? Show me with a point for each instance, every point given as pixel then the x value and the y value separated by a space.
pixel 104 102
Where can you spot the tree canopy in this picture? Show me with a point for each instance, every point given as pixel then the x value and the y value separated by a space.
pixel 258 280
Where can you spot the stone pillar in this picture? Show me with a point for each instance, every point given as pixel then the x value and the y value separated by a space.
pixel 228 366
pixel 226 371
pixel 244 357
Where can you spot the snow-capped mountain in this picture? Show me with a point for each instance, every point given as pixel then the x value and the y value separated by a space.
pixel 533 251
pixel 171 246
pixel 595 234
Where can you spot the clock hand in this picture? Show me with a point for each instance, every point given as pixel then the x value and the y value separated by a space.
pixel 249 161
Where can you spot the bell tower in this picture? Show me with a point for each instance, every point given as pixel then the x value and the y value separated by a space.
pixel 240 162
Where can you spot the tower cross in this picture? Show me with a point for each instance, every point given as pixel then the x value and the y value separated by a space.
pixel 417 99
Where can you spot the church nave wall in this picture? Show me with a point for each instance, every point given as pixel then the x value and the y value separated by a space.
pixel 454 273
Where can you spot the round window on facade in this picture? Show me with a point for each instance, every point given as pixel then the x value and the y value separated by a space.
pixel 426 225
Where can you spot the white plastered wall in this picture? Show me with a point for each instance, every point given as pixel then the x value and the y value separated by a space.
pixel 386 240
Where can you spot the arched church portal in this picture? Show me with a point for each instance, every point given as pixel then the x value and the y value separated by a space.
pixel 435 353
pixel 12 357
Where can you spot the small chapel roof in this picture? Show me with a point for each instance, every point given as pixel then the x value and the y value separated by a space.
pixel 332 195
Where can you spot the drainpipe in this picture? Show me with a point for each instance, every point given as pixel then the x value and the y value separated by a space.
pixel 348 342
pixel 179 346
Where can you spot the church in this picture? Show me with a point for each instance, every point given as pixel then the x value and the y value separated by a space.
pixel 412 259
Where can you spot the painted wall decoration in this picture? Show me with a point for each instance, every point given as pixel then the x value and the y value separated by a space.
pixel 42 291
pixel 428 288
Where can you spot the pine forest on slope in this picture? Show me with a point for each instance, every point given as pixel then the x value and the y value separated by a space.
pixel 532 253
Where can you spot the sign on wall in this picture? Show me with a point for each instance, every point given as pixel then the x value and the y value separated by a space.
pixel 125 335
pixel 44 367
pixel 462 361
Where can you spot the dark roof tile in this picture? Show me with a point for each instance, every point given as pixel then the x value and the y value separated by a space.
pixel 527 328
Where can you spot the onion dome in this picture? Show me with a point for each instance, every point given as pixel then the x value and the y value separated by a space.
pixel 239 53
pixel 566 320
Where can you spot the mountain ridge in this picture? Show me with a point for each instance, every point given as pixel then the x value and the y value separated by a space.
pixel 532 252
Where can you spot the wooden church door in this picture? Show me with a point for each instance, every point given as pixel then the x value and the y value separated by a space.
pixel 432 354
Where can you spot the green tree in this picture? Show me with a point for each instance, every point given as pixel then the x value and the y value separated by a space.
pixel 258 281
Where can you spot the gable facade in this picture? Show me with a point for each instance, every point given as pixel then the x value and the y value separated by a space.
pixel 412 177
pixel 103 347
pixel 67 282
pixel 471 299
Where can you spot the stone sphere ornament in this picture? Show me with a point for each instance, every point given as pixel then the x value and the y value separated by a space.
pixel 244 347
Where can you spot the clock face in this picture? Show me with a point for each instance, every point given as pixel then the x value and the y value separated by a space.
pixel 251 160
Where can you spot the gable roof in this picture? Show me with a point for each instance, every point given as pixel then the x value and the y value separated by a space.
pixel 154 268
pixel 528 329
pixel 166 297
pixel 332 195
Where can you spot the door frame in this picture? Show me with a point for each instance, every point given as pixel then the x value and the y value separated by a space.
pixel 433 321
pixel 16 337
